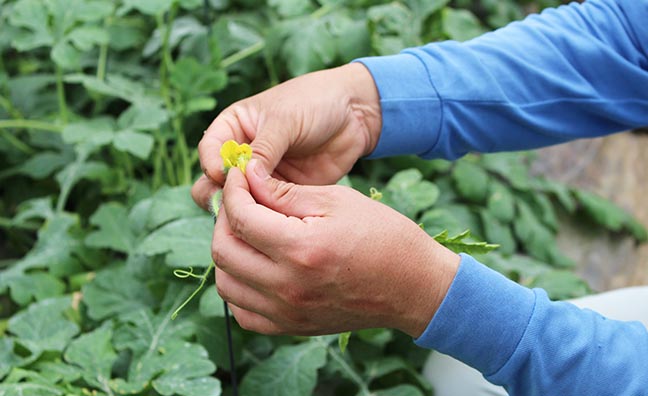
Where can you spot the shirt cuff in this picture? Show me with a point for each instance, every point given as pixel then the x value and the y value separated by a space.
pixel 410 105
pixel 482 318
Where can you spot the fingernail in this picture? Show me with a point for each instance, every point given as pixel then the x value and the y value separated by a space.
pixel 258 169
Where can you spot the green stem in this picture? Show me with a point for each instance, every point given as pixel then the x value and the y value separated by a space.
pixel 30 124
pixel 8 223
pixel 17 143
pixel 156 181
pixel 322 11
pixel 9 107
pixel 242 54
pixel 203 280
pixel 60 93
pixel 184 173
pixel 272 70
pixel 102 62
pixel 353 376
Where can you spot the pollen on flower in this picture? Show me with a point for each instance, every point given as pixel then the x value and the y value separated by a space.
pixel 235 155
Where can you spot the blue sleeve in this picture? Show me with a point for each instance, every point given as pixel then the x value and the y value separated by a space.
pixel 532 346
pixel 576 71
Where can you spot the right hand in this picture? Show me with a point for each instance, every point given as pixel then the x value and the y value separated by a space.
pixel 308 130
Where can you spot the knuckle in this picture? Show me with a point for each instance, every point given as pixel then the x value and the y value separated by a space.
pixel 284 193
pixel 237 222
pixel 217 254
pixel 313 255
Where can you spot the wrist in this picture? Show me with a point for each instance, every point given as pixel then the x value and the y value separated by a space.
pixel 364 102
pixel 438 268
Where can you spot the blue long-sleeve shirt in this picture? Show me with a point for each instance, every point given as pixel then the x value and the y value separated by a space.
pixel 572 72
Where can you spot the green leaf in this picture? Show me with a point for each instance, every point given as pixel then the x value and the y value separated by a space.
pixel 210 333
pixel 114 230
pixel 54 250
pixel 606 213
pixel 520 268
pixel 211 304
pixel 94 354
pixel 291 8
pixel 471 181
pixel 22 389
pixel 115 291
pixel 142 331
pixel 343 340
pixel 393 27
pixel 202 103
pixel 137 143
pixel 118 86
pixel 536 238
pixel 58 371
pixel 498 233
pixel 86 37
pixel 561 192
pixel 66 56
pixel 378 337
pixel 459 244
pixel 35 286
pixel 310 46
pixel 510 166
pixel 561 284
pixel 33 17
pixel 192 78
pixel 171 203
pixel 409 193
pixel 8 359
pixel 43 327
pixel 44 164
pixel 500 203
pixel 185 370
pixel 186 242
pixel 291 370
pixel 423 8
pixel 93 10
pixel 460 25
pixel 453 218
pixel 147 7
pixel 77 171
pixel 143 116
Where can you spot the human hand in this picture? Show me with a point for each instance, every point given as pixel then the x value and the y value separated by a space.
pixel 311 260
pixel 309 130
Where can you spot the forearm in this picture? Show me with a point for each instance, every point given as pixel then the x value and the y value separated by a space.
pixel 519 339
pixel 572 72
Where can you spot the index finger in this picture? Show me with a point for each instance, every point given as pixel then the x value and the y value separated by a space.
pixel 226 126
pixel 270 232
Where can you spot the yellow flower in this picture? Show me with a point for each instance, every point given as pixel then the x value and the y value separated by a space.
pixel 235 155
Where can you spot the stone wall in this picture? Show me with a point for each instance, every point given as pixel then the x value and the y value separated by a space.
pixel 615 167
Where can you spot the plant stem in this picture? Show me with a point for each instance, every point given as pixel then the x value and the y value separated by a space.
pixel 30 124
pixel 322 11
pixel 353 376
pixel 166 65
pixel 272 70
pixel 203 279
pixel 242 54
pixel 17 143
pixel 60 93
pixel 102 62
pixel 9 107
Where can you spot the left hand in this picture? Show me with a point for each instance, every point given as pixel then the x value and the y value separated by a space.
pixel 308 260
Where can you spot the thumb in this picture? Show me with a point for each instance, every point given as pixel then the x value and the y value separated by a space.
pixel 283 197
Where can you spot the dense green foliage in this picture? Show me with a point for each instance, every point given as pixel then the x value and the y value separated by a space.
pixel 101 105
